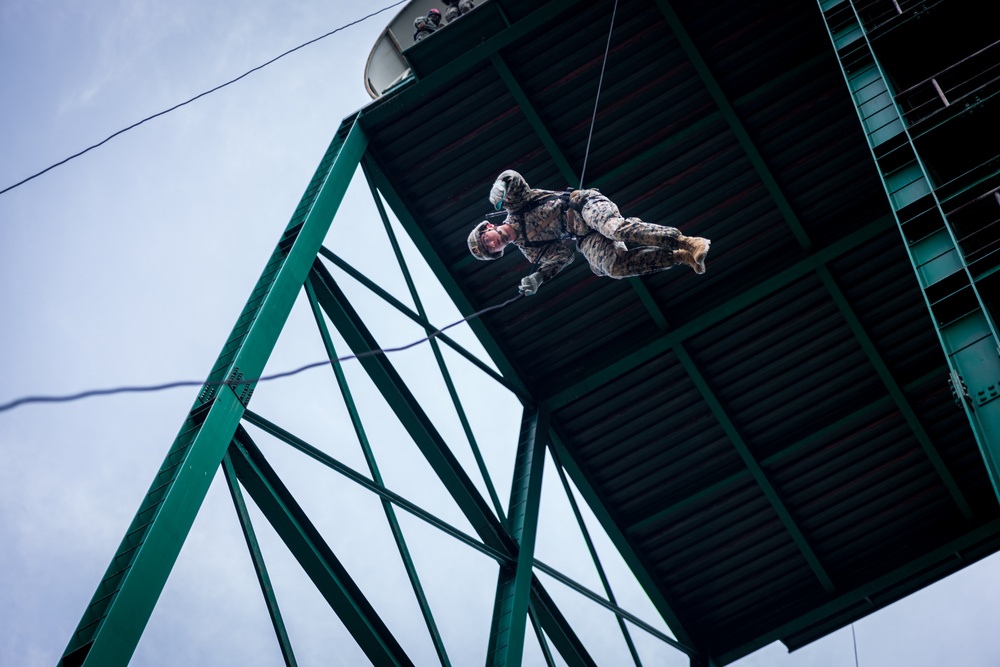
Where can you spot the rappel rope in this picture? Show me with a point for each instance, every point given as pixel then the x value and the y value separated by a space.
pixel 590 133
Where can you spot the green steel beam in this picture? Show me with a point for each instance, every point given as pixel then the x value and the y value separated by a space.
pixel 422 321
pixel 390 513
pixel 756 470
pixel 729 113
pixel 859 415
pixel 504 559
pixel 116 616
pixel 639 567
pixel 451 286
pixel 536 122
pixel 897 394
pixel 306 544
pixel 408 95
pixel 699 324
pixel 543 643
pixel 545 136
pixel 258 561
pixel 558 629
pixel 452 392
pixel 594 557
pixel 407 409
pixel 510 608
pixel 322 457
pixel 700 124
pixel 917 573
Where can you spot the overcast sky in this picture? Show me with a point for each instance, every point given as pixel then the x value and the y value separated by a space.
pixel 130 265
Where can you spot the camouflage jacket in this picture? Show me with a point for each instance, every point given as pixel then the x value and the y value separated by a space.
pixel 545 220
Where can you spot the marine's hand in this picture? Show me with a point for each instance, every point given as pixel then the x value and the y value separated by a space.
pixel 529 284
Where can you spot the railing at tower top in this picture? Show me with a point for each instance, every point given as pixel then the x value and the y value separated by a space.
pixel 964 83
pixel 875 14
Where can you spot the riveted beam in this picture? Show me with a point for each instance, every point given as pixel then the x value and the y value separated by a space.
pixel 510 607
pixel 120 608
pixel 318 561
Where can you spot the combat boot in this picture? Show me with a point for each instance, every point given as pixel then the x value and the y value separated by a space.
pixel 692 251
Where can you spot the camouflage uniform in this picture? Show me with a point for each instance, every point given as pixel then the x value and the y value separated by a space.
pixel 595 223
pixel 456 8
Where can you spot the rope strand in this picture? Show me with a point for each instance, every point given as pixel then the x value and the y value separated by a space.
pixel 600 82
pixel 25 400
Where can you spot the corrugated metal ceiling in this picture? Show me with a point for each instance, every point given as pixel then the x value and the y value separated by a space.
pixel 774 440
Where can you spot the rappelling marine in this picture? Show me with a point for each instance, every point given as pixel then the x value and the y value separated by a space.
pixel 542 222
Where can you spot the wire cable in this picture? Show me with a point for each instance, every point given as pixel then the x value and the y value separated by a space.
pixel 25 400
pixel 600 82
pixel 200 95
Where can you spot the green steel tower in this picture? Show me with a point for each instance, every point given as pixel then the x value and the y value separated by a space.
pixel 776 449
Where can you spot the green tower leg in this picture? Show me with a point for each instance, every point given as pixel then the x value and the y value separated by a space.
pixel 118 612
pixel 510 610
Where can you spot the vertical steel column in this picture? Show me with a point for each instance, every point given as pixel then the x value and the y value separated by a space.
pixel 510 610
pixel 390 513
pixel 258 561
pixel 964 327
pixel 117 614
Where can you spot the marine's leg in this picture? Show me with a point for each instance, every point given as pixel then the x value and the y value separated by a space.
pixel 465 5
pixel 451 13
pixel 601 214
pixel 614 260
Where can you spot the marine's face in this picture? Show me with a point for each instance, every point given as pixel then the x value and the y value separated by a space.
pixel 492 240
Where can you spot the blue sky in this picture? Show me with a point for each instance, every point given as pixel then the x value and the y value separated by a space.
pixel 130 265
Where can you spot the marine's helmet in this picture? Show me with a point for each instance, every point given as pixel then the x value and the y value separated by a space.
pixel 476 245
pixel 435 16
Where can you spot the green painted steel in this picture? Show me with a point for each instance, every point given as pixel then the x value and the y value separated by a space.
pixel 639 567
pixel 395 303
pixel 858 416
pixel 558 629
pixel 322 457
pixel 640 356
pixel 390 513
pixel 964 325
pixel 924 570
pixel 459 62
pixel 407 409
pixel 435 348
pixel 594 557
pixel 316 558
pixel 510 609
pixel 118 613
pixel 480 328
pixel 756 471
pixel 258 561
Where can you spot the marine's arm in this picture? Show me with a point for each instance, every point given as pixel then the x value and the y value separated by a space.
pixel 548 260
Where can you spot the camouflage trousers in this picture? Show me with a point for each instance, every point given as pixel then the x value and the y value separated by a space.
pixel 457 9
pixel 624 247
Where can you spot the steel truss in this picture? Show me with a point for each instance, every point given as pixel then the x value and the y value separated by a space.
pixel 212 435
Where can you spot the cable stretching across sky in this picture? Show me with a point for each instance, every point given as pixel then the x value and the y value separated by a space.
pixel 200 95
pixel 139 389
